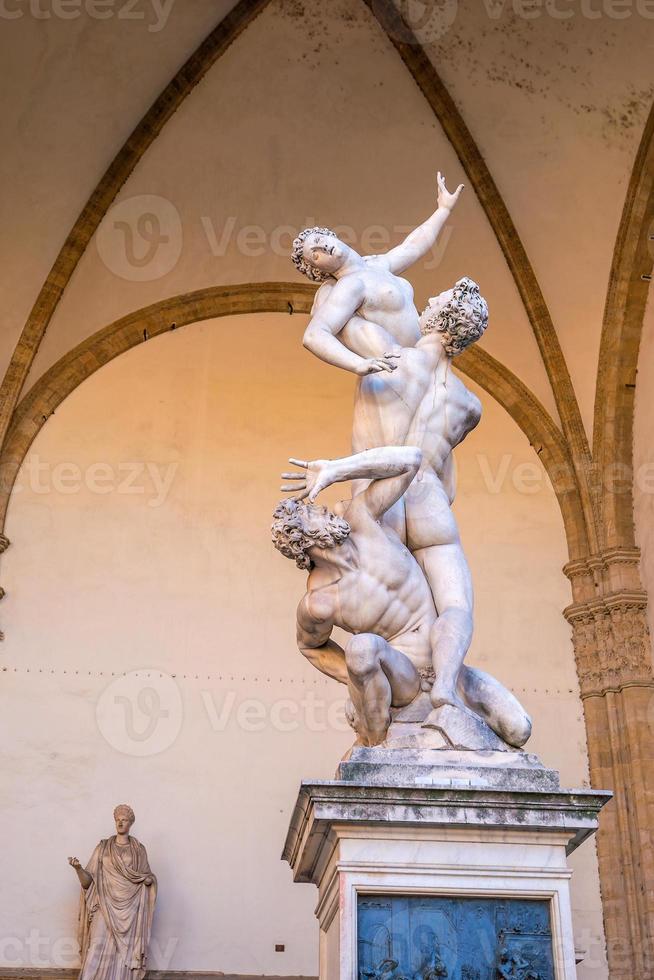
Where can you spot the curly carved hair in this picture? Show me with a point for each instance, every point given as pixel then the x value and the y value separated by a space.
pixel 462 321
pixel 297 254
pixel 291 536
pixel 125 808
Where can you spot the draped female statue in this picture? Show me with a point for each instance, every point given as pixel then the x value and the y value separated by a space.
pixel 116 905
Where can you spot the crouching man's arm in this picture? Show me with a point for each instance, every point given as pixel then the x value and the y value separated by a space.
pixel 390 468
pixel 314 639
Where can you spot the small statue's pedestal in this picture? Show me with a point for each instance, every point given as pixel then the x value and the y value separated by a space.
pixel 433 863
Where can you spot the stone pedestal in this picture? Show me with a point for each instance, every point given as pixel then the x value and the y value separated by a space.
pixel 441 864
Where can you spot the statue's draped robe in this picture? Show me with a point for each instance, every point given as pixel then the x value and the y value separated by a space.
pixel 116 912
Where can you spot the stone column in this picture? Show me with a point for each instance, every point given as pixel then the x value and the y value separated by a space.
pixel 614 665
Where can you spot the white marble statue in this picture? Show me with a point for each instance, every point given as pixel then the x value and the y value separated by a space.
pixel 364 321
pixel 423 403
pixel 363 579
pixel 366 286
pixel 116 906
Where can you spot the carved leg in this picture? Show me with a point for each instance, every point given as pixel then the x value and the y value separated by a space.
pixel 500 709
pixel 481 702
pixel 447 572
pixel 378 676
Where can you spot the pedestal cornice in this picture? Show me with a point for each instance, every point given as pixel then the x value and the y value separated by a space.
pixel 320 806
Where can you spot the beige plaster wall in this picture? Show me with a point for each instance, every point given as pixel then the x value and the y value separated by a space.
pixel 172 576
pixel 557 95
pixel 312 114
pixel 74 88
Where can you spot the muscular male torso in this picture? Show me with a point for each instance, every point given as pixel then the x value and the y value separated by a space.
pixel 374 584
pixel 421 403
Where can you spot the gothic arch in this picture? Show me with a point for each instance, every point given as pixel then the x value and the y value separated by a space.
pixel 78 364
pixel 624 312
pixel 455 129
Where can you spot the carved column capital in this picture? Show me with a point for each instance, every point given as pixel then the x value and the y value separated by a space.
pixel 606 571
pixel 609 622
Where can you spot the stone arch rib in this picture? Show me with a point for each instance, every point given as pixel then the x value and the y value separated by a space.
pixel 544 436
pixel 428 80
pixel 426 77
pixel 82 361
pixel 145 133
pixel 633 258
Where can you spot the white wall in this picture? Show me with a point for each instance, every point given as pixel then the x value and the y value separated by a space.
pixel 186 584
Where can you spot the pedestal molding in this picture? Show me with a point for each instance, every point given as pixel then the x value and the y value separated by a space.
pixel 371 845
pixel 323 807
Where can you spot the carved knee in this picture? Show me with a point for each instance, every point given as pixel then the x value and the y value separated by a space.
pixel 519 731
pixel 362 655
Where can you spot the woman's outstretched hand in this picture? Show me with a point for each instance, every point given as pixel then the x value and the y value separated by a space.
pixel 445 198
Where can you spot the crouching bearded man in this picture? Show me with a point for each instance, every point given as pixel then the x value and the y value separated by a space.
pixel 363 579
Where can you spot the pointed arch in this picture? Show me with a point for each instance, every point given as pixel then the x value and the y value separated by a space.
pixel 428 80
pixel 142 137
pixel 624 312
pixel 432 87
pixel 271 297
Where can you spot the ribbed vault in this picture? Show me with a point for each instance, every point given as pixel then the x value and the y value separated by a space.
pixel 611 644
pixel 450 119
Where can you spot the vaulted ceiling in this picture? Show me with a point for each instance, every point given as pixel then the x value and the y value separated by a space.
pixel 269 114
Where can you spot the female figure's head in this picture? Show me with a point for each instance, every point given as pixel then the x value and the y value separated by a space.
pixel 124 818
pixel 318 253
